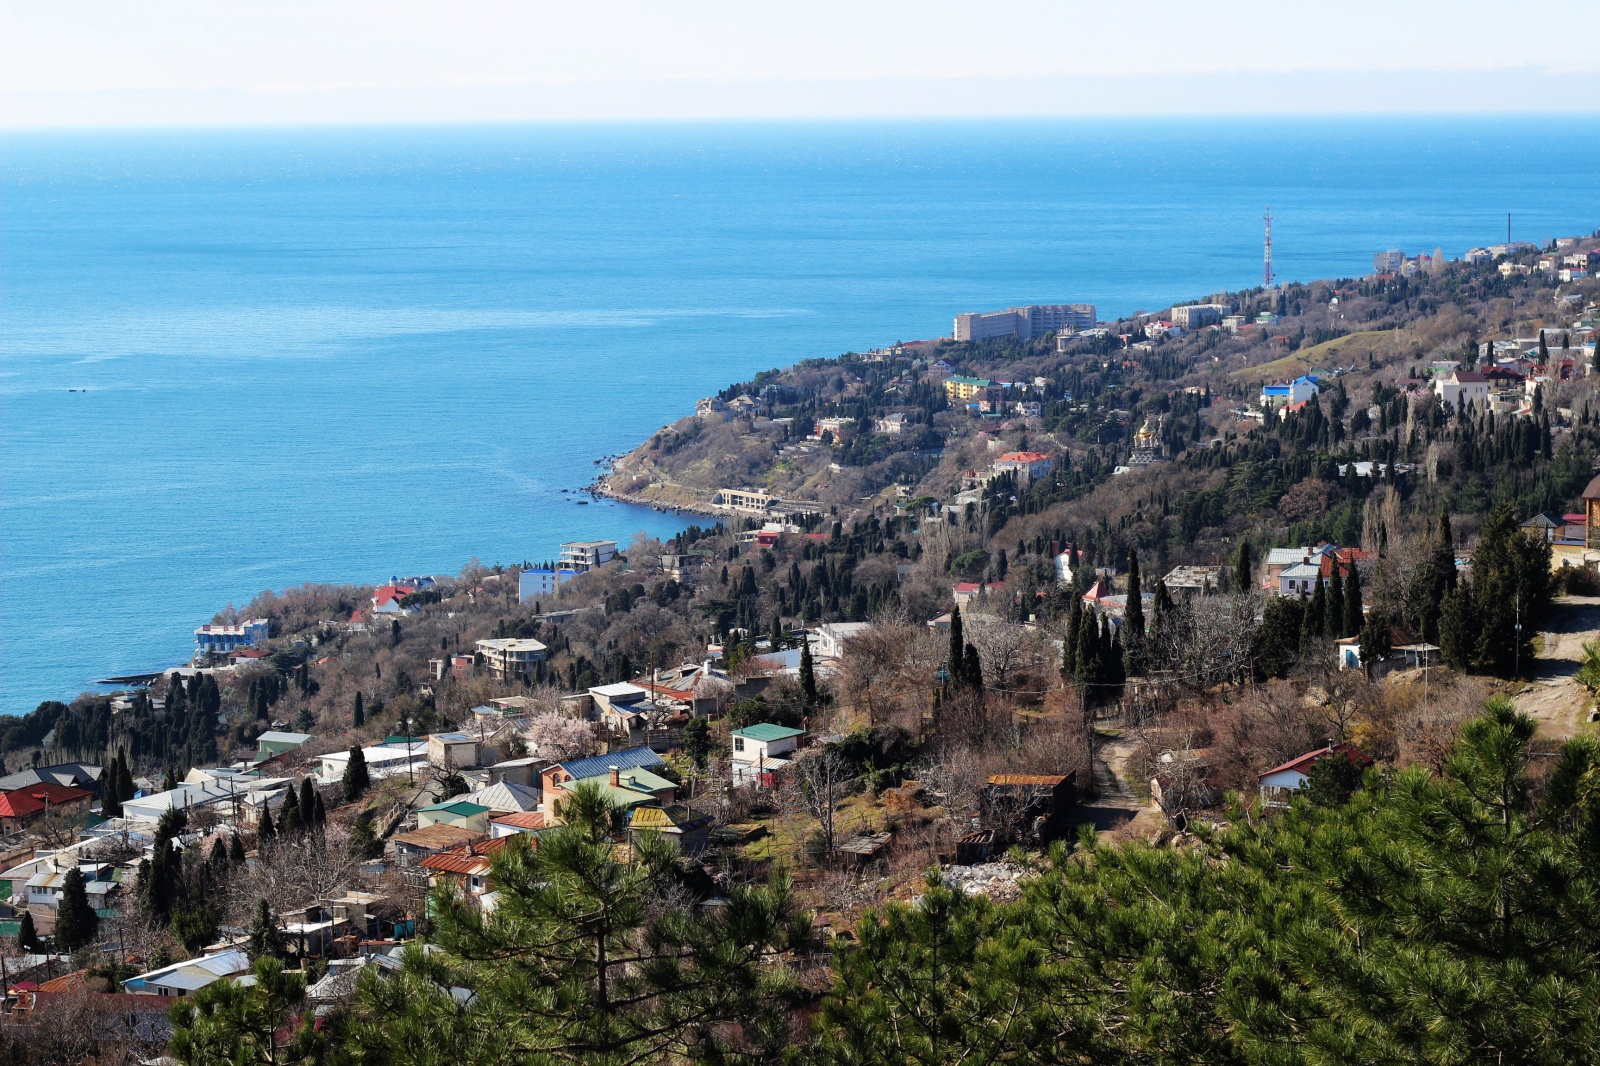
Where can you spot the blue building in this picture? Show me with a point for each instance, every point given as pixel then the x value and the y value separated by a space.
pixel 220 640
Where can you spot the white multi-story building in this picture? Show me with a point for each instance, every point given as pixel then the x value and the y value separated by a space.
pixel 1025 323
pixel 1461 387
pixel 510 658
pixel 585 555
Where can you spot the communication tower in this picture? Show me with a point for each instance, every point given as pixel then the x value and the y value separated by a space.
pixel 1266 273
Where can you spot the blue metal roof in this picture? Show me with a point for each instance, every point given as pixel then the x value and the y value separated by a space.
pixel 629 759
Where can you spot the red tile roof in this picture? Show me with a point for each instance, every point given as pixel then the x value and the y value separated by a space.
pixel 466 859
pixel 1303 763
pixel 31 799
pixel 19 805
pixel 521 820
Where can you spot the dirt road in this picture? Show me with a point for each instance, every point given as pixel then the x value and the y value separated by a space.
pixel 1560 704
pixel 1118 808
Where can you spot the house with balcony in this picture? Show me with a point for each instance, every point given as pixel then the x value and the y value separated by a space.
pixel 511 658
pixel 221 639
pixel 1288 393
pixel 585 555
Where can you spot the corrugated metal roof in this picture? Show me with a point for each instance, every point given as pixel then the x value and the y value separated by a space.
pixel 600 764
pixel 1044 780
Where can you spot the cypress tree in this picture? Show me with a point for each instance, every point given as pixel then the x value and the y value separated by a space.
pixel 356 779
pixel 1335 606
pixel 361 714
pixel 1317 612
pixel 1134 614
pixel 972 670
pixel 171 780
pixel 265 936
pixel 236 851
pixel 111 790
pixel 289 813
pixel 808 673
pixel 308 799
pixel 1352 602
pixel 265 830
pixel 1243 569
pixel 956 657
pixel 27 936
pixel 319 813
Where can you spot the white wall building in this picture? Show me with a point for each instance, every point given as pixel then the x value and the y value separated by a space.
pixel 585 555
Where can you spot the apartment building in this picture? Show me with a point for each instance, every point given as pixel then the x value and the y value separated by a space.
pixel 542 581
pixel 1025 323
pixel 221 640
pixel 582 556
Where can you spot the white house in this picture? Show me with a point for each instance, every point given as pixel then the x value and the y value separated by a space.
pixel 1301 577
pixel 764 742
pixel 1288 393
pixel 191 975
pixel 1461 387
pixel 1278 782
pixel 383 760
pixel 831 637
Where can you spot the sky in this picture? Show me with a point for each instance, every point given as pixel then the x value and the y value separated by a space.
pixel 99 63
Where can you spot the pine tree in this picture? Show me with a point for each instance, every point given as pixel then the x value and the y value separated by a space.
pixel 77 924
pixel 257 1024
pixel 355 774
pixel 547 974
pixel 936 983
pixel 360 717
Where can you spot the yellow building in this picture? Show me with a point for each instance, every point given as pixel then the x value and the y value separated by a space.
pixel 965 390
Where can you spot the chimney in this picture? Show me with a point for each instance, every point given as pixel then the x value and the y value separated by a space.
pixel 616 777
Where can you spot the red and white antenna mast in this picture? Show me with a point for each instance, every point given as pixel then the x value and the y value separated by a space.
pixel 1266 273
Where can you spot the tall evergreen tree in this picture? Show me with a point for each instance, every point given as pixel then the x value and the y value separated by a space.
pixel 955 658
pixel 77 924
pixel 28 936
pixel 1243 568
pixel 1352 602
pixel 808 673
pixel 265 936
pixel 356 779
pixel 1334 623
pixel 265 830
pixel 236 856
pixel 1133 619
pixel 971 670
pixel 360 717
pixel 308 802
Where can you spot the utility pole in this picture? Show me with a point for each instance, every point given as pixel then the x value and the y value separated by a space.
pixel 1517 670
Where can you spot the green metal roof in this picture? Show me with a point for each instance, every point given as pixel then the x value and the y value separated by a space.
pixel 766 732
pixel 465 808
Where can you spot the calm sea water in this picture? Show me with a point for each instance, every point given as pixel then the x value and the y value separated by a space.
pixel 341 355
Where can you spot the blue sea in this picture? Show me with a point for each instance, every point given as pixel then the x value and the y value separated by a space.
pixel 232 361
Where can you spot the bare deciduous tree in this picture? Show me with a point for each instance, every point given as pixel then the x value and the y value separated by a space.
pixel 824 778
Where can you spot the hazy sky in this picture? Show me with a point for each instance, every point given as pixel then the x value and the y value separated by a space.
pixel 186 62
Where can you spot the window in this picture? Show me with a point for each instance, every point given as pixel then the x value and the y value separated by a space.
pixel 738 743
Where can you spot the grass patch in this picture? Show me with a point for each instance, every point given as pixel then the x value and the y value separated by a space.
pixel 1351 348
